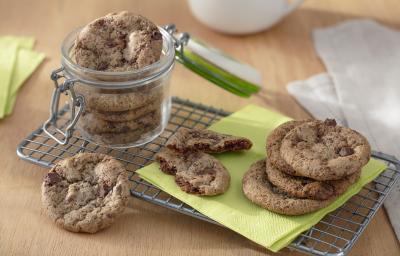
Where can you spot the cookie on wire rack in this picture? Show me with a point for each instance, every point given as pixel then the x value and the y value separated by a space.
pixel 296 186
pixel 323 150
pixel 206 141
pixel 258 189
pixel 195 172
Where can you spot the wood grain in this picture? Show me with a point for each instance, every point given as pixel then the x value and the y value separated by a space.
pixel 283 54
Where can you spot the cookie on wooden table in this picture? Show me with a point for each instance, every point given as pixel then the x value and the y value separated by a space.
pixel 86 192
pixel 206 141
pixel 322 150
pixel 258 189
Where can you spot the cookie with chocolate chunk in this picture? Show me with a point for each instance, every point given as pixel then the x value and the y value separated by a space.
pixel 127 115
pixel 91 124
pixel 323 150
pixel 86 192
pixel 106 100
pixel 118 42
pixel 121 139
pixel 195 172
pixel 302 187
pixel 206 141
pixel 273 145
pixel 258 189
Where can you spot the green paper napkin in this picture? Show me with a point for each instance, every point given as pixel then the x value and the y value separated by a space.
pixel 27 61
pixel 17 63
pixel 8 55
pixel 233 209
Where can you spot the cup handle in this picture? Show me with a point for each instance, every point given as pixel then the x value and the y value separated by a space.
pixel 292 6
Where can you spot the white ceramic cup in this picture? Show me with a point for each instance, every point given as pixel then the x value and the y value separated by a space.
pixel 241 16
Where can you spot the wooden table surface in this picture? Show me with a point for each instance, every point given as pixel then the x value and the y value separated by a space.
pixel 283 53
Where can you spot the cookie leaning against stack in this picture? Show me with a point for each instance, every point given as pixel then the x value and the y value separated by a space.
pixel 309 164
pixel 197 172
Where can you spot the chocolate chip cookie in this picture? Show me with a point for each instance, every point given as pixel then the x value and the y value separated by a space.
pixel 195 172
pixel 121 139
pixel 258 189
pixel 86 192
pixel 118 42
pixel 93 125
pixel 322 150
pixel 302 187
pixel 121 101
pixel 296 186
pixel 206 141
pixel 128 115
pixel 273 145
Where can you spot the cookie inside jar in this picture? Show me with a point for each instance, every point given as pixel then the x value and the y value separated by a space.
pixel 122 64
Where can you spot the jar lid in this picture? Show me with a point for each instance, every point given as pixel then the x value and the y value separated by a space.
pixel 214 65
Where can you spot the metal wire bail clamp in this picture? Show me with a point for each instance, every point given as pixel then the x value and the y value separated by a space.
pixel 66 87
pixel 179 42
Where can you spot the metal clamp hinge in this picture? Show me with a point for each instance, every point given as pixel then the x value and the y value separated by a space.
pixel 76 101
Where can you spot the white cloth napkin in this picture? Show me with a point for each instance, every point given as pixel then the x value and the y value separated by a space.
pixel 361 89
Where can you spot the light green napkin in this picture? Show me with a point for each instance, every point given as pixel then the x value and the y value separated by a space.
pixel 233 209
pixel 17 62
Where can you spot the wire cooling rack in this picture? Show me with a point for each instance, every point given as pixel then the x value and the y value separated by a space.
pixel 335 234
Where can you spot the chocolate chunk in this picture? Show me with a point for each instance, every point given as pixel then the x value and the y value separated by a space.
pixel 104 190
pixel 111 44
pixel 187 187
pixel 122 35
pixel 210 172
pixel 52 178
pixel 99 23
pixel 346 151
pixel 102 66
pixel 156 35
pixel 330 122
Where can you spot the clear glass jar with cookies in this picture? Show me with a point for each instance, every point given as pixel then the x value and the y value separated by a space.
pixel 113 108
pixel 116 72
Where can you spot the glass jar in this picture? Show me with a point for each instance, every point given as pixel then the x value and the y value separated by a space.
pixel 116 109
pixel 128 109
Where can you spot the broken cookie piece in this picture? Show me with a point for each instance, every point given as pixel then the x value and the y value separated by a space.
pixel 171 161
pixel 206 141
pixel 195 172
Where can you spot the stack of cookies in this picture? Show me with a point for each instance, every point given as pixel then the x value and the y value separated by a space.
pixel 309 164
pixel 187 157
pixel 122 117
pixel 119 42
